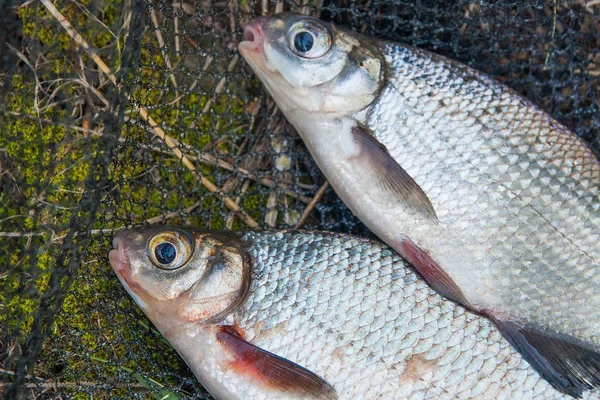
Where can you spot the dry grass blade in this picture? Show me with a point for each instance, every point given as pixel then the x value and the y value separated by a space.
pixel 164 217
pixel 589 5
pixel 161 43
pixel 20 234
pixel 233 7
pixel 552 34
pixel 210 159
pixel 172 144
pixel 38 85
pixel 229 222
pixel 264 7
pixel 220 85
pixel 79 40
pixel 271 215
pixel 150 221
pixel 312 205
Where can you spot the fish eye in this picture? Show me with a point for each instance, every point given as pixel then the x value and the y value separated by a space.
pixel 165 253
pixel 303 41
pixel 309 39
pixel 171 249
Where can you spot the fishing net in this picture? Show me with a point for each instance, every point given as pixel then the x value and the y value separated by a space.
pixel 117 113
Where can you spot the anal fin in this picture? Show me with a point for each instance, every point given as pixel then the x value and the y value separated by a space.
pixel 271 370
pixel 569 365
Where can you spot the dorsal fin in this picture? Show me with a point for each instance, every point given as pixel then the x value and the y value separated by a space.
pixel 568 365
pixel 273 371
pixel 388 174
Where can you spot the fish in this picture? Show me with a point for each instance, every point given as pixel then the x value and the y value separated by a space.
pixel 313 315
pixel 491 200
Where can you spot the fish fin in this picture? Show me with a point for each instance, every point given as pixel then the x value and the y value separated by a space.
pixel 433 274
pixel 389 175
pixel 569 366
pixel 276 372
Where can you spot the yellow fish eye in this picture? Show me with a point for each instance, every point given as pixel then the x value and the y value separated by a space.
pixel 309 38
pixel 171 249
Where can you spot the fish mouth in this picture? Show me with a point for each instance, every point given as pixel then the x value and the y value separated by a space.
pixel 252 49
pixel 120 262
pixel 253 39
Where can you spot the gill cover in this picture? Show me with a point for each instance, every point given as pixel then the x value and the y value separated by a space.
pixel 224 284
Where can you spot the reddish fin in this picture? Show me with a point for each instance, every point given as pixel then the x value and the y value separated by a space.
pixel 274 371
pixel 567 364
pixel 435 276
pixel 388 174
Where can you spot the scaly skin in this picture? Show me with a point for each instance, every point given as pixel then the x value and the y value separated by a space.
pixel 516 194
pixel 351 311
pixel 348 309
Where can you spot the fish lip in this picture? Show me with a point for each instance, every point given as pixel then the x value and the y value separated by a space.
pixel 119 260
pixel 253 38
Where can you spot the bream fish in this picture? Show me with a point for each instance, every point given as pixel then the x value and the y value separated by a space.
pixel 493 202
pixel 269 315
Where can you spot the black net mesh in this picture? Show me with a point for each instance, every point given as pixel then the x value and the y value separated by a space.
pixel 129 112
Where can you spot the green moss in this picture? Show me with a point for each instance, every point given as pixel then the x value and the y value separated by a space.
pixel 252 200
pixel 16 103
pixel 70 304
pixel 51 163
pixel 89 341
pixel 21 308
pixel 42 283
pixel 13 149
pixel 44 261
pixel 13 282
pixel 17 82
pixel 79 172
pixel 217 222
pixel 29 224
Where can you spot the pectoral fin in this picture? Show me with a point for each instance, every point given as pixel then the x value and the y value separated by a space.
pixel 274 372
pixel 388 174
pixel 568 365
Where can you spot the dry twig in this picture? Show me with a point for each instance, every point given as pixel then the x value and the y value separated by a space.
pixel 312 205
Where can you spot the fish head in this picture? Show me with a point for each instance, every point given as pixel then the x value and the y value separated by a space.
pixel 181 277
pixel 310 66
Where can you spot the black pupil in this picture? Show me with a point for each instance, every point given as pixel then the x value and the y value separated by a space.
pixel 165 253
pixel 303 42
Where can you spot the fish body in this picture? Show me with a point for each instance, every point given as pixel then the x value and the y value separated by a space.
pixel 496 204
pixel 329 315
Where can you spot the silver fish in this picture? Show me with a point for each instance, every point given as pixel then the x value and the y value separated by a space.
pixel 268 315
pixel 495 203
